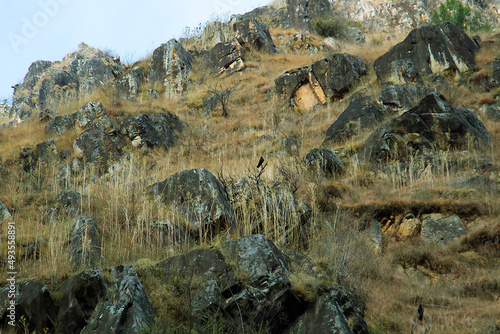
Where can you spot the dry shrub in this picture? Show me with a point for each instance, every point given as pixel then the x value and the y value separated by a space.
pixel 412 255
pixel 485 241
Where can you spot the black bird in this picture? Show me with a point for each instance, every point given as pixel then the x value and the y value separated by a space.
pixel 420 313
pixel 261 161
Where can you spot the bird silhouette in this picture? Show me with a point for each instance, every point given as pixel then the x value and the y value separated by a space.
pixel 420 312
pixel 261 161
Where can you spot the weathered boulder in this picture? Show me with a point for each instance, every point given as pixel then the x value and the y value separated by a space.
pixel 170 66
pixel 217 32
pixel 128 86
pixel 46 151
pixel 432 125
pixel 126 308
pixel 303 13
pixel 441 48
pixel 324 161
pixel 85 242
pixel 334 312
pixel 199 196
pixel 410 226
pixel 61 124
pixel 150 130
pixel 227 57
pixel 78 74
pixel 440 230
pixel 399 98
pixel 361 114
pixel 81 294
pixel 255 34
pixel 69 201
pixel 268 289
pixel 330 78
pixel 33 304
pixel 100 142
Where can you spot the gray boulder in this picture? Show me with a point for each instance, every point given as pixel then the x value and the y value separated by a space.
pixel 430 126
pixel 85 242
pixel 81 294
pixel 303 13
pixel 330 78
pixel 334 312
pixel 126 309
pixel 441 230
pixel 46 151
pixel 268 289
pixel 227 57
pixel 61 124
pixel 252 33
pixel 170 66
pixel 324 161
pixel 441 48
pixel 399 98
pixel 361 114
pixel 199 196
pixel 151 130
pixel 69 201
pixel 33 303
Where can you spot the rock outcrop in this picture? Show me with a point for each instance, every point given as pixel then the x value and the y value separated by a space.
pixel 170 66
pixel 49 83
pixel 330 78
pixel 440 230
pixel 442 48
pixel 400 98
pixel 227 57
pixel 199 196
pixel 254 34
pixel 126 309
pixel 150 130
pixel 432 125
pixel 361 114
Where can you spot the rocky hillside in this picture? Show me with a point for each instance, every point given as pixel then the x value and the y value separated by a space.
pixel 259 178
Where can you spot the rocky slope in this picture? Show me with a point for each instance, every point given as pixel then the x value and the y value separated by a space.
pixel 139 207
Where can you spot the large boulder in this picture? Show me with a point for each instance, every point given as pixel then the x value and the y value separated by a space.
pixel 303 13
pixel 227 57
pixel 334 312
pixel 150 130
pixel 432 125
pixel 361 114
pixel 441 48
pixel 170 66
pixel 85 242
pixel 268 289
pixel 400 98
pixel 100 142
pixel 330 78
pixel 81 294
pixel 255 34
pixel 324 161
pixel 126 309
pixel 440 230
pixel 78 74
pixel 199 196
pixel 33 305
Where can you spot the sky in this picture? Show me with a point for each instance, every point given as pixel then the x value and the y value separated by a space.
pixel 33 30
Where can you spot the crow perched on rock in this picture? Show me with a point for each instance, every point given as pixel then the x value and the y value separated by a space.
pixel 261 161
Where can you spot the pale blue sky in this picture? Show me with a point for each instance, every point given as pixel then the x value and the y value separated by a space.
pixel 49 29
